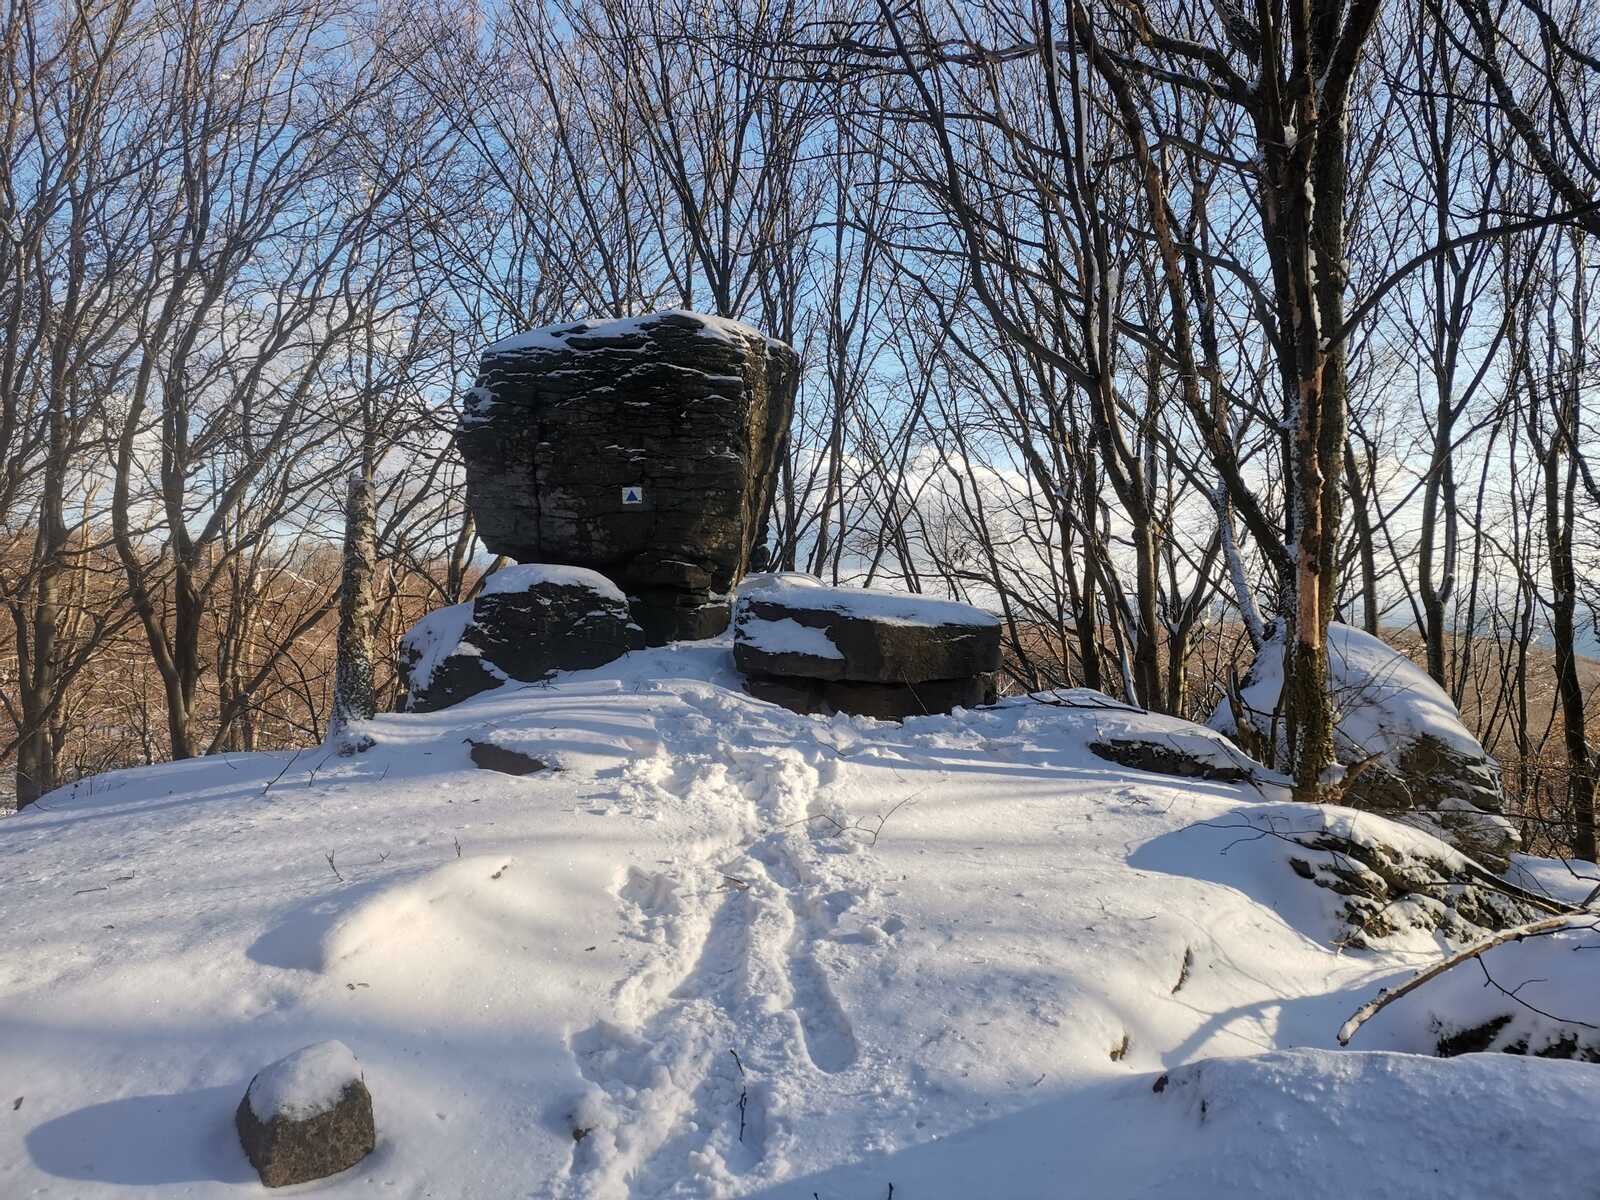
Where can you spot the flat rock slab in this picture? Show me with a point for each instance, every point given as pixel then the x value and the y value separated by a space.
pixel 818 649
pixel 785 627
pixel 886 701
pixel 642 447
pixel 1164 758
pixel 307 1116
pixel 528 623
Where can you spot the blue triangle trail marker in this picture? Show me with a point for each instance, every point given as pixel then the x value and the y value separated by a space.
pixel 633 494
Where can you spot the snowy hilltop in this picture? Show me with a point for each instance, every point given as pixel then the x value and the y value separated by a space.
pixel 631 932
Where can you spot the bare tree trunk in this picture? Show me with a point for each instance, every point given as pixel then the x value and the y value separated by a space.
pixel 1560 489
pixel 1304 221
pixel 354 699
pixel 1365 547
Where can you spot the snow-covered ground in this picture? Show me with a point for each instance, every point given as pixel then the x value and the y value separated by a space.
pixel 721 949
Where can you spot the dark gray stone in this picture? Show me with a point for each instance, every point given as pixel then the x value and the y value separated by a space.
pixel 540 620
pixel 1162 758
pixel 489 757
pixel 689 410
pixel 299 1144
pixel 886 701
pixel 668 616
pixel 869 641
pixel 1503 1033
pixel 433 671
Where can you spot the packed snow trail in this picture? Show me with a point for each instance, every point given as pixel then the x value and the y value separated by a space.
pixel 718 950
pixel 736 997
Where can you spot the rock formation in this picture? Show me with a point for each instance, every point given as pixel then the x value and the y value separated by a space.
pixel 528 623
pixel 1164 758
pixel 644 448
pixel 1388 885
pixel 307 1116
pixel 1431 772
pixel 818 649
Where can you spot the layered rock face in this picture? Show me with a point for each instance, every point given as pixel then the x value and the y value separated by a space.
pixel 1388 884
pixel 1431 772
pixel 817 649
pixel 528 623
pixel 644 448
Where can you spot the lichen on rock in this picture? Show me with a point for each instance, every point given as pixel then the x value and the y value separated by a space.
pixel 1387 888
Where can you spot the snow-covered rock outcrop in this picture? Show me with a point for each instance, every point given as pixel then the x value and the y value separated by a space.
pixel 1430 771
pixel 527 623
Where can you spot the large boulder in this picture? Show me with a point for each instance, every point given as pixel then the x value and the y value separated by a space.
pixel 307 1116
pixel 819 649
pixel 644 448
pixel 527 623
pixel 1430 771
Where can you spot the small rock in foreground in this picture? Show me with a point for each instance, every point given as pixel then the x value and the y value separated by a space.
pixel 307 1116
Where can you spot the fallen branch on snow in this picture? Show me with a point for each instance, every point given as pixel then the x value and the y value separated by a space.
pixel 861 824
pixel 1388 996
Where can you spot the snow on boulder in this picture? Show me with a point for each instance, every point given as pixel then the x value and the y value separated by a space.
pixel 813 648
pixel 530 576
pixel 1187 751
pixel 307 1116
pixel 1393 879
pixel 1537 995
pixel 1431 772
pixel 643 447
pixel 440 665
pixel 527 623
pixel 1159 744
pixel 1368 883
pixel 1381 1126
